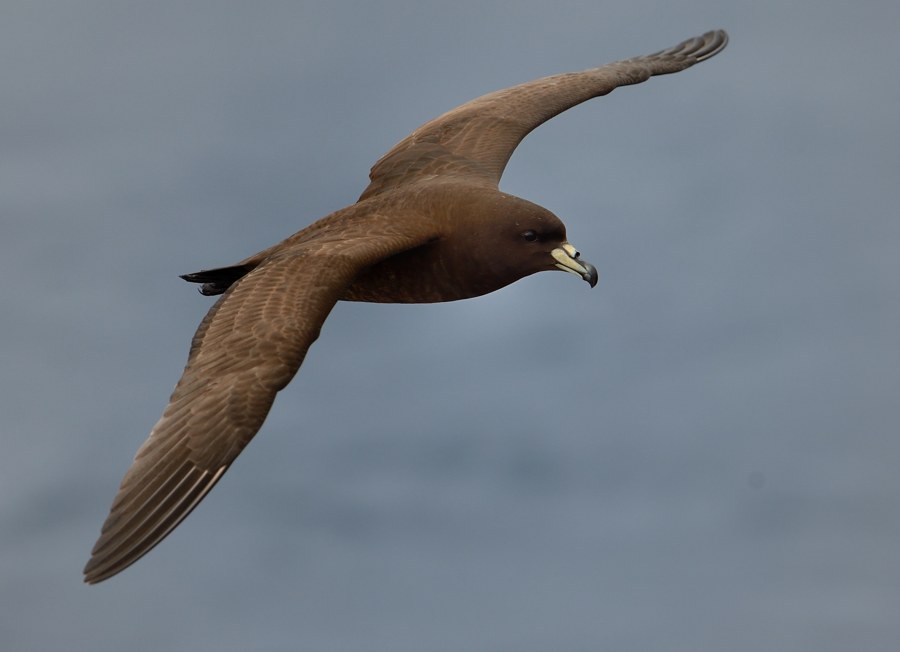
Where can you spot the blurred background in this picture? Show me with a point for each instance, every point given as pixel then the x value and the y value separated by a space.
pixel 699 454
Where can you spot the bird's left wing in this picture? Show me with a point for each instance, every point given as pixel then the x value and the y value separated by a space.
pixel 474 141
pixel 247 348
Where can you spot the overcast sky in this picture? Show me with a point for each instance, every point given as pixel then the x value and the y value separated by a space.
pixel 701 453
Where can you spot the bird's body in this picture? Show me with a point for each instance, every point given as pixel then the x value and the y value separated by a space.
pixel 431 226
pixel 437 264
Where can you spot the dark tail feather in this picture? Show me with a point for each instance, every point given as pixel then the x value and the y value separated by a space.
pixel 216 281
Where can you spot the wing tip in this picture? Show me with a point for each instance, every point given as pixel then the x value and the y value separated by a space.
pixel 691 51
pixel 713 42
pixel 113 554
pixel 700 48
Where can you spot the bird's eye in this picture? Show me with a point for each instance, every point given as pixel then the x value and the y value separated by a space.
pixel 529 236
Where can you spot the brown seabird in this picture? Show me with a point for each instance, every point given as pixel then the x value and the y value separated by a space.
pixel 432 225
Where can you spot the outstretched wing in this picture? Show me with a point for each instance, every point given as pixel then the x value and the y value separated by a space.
pixel 475 140
pixel 247 348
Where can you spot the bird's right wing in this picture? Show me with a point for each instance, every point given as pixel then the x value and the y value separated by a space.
pixel 247 348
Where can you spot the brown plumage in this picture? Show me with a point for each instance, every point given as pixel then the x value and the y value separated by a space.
pixel 431 226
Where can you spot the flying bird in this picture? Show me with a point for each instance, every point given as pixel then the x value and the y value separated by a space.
pixel 432 225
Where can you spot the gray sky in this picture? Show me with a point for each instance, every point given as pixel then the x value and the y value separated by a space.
pixel 699 454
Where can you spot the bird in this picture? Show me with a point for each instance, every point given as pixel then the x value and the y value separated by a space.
pixel 431 226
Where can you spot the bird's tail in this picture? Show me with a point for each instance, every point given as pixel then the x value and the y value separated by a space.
pixel 216 281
